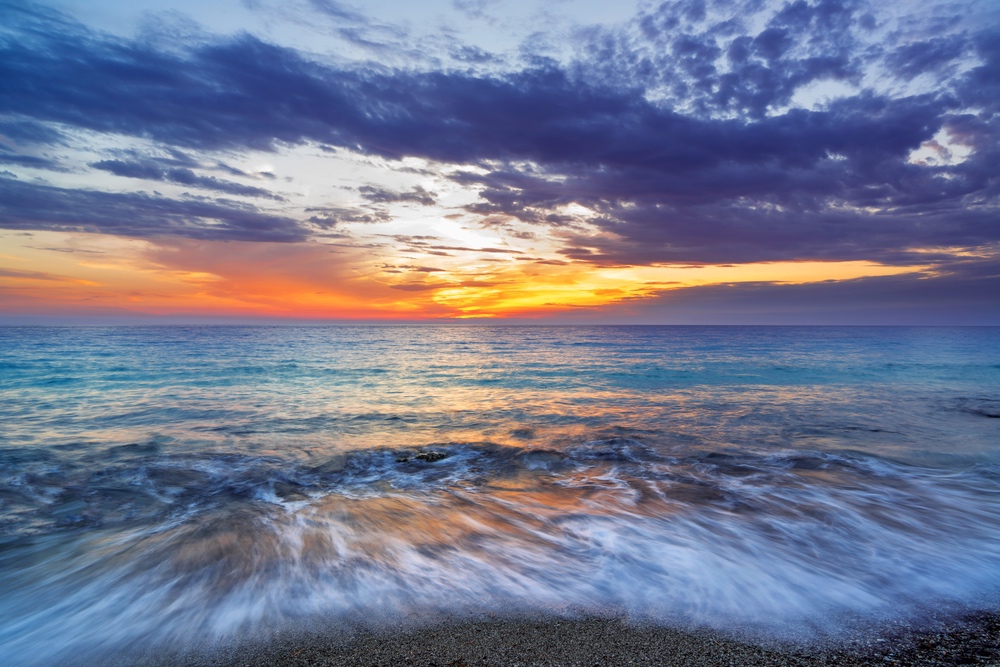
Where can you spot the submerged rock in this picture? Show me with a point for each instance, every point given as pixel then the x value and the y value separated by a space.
pixel 431 457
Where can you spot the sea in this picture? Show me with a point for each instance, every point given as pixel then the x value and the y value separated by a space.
pixel 188 485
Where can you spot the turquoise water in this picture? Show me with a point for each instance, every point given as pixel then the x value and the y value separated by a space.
pixel 165 484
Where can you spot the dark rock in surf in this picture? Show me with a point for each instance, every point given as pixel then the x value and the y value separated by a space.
pixel 431 457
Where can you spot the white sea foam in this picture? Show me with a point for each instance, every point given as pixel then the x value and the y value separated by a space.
pixel 791 544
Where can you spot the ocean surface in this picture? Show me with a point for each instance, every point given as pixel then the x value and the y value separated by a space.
pixel 176 486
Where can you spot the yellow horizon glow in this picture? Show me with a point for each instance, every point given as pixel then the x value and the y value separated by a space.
pixel 79 273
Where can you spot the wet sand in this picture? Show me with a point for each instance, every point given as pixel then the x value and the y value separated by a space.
pixel 974 640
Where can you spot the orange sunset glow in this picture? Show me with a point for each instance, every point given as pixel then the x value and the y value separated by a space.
pixel 314 280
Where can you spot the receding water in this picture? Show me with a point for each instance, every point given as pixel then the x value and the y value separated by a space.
pixel 181 485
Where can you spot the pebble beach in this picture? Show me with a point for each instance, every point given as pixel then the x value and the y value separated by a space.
pixel 595 642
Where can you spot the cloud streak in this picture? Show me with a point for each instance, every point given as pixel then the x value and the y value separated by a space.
pixel 33 206
pixel 151 171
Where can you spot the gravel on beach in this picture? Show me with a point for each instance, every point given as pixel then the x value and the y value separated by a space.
pixel 593 642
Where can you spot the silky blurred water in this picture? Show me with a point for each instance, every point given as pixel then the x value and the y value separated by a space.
pixel 182 485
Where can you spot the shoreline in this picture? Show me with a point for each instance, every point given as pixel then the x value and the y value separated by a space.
pixel 597 642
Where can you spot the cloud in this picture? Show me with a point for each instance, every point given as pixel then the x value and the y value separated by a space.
pixel 26 131
pixel 339 20
pixel 474 9
pixel 329 217
pixel 926 57
pixel 29 275
pixel 429 245
pixel 417 195
pixel 35 206
pixel 967 294
pixel 33 161
pixel 151 170
pixel 673 132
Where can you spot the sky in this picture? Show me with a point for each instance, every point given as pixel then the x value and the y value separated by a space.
pixel 577 161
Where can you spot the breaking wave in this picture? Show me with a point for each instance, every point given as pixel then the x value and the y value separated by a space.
pixel 150 547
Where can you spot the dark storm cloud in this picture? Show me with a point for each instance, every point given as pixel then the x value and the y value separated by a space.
pixel 151 170
pixel 672 130
pixel 35 206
